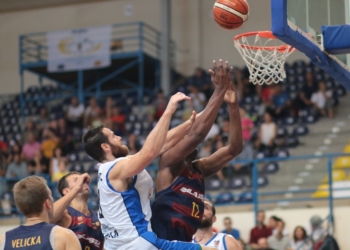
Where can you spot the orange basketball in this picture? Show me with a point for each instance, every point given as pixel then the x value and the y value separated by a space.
pixel 231 14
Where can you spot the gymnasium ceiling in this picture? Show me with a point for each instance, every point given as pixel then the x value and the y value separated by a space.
pixel 18 5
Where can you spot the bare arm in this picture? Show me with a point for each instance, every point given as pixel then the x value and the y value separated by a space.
pixel 152 146
pixel 66 240
pixel 217 161
pixel 232 243
pixel 61 205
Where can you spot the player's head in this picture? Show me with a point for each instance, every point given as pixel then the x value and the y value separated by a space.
pixel 192 156
pixel 33 197
pixel 209 214
pixel 102 144
pixel 68 182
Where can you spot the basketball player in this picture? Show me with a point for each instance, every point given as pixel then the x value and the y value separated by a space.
pixel 72 212
pixel 33 198
pixel 178 206
pixel 206 236
pixel 125 187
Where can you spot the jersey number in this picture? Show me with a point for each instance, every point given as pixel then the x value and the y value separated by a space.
pixel 195 210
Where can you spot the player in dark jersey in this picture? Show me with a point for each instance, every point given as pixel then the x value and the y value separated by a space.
pixel 72 212
pixel 178 206
pixel 33 197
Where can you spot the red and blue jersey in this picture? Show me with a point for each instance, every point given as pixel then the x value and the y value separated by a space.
pixel 177 210
pixel 87 229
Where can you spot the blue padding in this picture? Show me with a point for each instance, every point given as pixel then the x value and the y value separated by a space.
pixel 336 39
pixel 282 31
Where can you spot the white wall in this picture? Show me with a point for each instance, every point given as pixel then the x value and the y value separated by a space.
pixel 199 38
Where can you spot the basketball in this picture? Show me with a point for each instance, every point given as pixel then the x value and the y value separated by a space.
pixel 231 14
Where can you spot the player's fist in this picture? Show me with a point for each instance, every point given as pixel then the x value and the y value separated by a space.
pixel 221 75
pixel 81 180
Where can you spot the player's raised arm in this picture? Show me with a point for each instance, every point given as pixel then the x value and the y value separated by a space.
pixel 152 146
pixel 216 161
pixel 220 77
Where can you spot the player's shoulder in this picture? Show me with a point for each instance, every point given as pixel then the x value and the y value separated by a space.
pixel 63 233
pixel 231 242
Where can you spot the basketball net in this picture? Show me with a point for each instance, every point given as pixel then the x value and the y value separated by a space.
pixel 264 59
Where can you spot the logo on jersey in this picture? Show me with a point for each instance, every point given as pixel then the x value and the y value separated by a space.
pixel 80 220
pixel 216 243
pixel 91 240
pixel 193 193
pixel 96 225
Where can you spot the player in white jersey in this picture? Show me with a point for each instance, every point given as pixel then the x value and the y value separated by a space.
pixel 124 186
pixel 207 237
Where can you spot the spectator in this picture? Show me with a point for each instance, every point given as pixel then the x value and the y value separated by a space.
pixel 54 162
pixel 43 120
pixel 62 171
pixel 17 168
pixel 109 106
pixel 281 103
pixel 229 229
pixel 14 149
pixel 260 231
pixel 118 119
pixel 49 143
pixel 133 144
pixel 263 244
pixel 273 220
pixel 3 163
pixel 303 101
pixel 246 154
pixel 206 149
pixel 299 241
pixel 267 95
pixel 31 128
pixel 33 168
pixel 322 100
pixel 75 113
pixel 198 99
pixel 317 231
pixel 90 112
pixel 30 148
pixel 160 105
pixel 267 134
pixel 279 241
pixel 99 118
pixel 247 124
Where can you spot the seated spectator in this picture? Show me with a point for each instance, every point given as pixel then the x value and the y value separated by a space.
pixel 49 143
pixel 260 231
pixel 54 162
pixel 17 168
pixel 299 241
pixel 198 99
pixel 316 231
pixel 202 80
pixel 133 144
pixel 273 220
pixel 109 106
pixel 62 171
pixel 14 149
pixel 263 245
pixel 246 154
pixel 322 100
pixel 281 102
pixel 43 120
pixel 247 124
pixel 53 124
pixel 3 163
pixel 75 113
pixel 267 134
pixel 99 118
pixel 33 168
pixel 160 105
pixel 303 101
pixel 279 241
pixel 31 128
pixel 267 95
pixel 118 118
pixel 229 229
pixel 90 112
pixel 30 148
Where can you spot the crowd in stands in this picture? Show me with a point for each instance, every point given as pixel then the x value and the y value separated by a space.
pixel 275 236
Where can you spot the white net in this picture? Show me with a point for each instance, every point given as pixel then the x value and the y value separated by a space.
pixel 265 60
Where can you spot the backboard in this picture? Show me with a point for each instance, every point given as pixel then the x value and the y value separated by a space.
pixel 299 23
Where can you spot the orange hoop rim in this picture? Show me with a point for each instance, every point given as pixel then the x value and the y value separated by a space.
pixel 267 35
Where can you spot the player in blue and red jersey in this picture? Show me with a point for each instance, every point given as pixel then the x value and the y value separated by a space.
pixel 178 207
pixel 72 212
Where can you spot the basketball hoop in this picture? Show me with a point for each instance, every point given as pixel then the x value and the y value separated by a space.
pixel 265 59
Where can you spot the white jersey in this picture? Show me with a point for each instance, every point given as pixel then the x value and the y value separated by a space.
pixel 124 215
pixel 218 241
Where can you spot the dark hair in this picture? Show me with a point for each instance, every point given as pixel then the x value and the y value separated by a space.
pixel 92 140
pixel 304 233
pixel 30 195
pixel 62 183
pixel 275 218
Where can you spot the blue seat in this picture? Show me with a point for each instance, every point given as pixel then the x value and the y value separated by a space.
pixel 245 197
pixel 289 121
pixel 341 91
pixel 309 119
pixel 282 132
pixel 282 153
pixel 224 198
pixel 236 183
pixel 263 181
pixel 270 168
pixel 292 141
pixel 301 130
pixel 73 157
pixel 213 184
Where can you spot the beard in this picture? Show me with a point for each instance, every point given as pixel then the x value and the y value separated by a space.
pixel 120 151
pixel 205 223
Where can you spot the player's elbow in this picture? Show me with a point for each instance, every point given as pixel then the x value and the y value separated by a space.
pixel 235 150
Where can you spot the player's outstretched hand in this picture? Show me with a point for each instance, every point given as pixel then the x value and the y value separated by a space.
pixel 174 100
pixel 230 96
pixel 82 179
pixel 221 75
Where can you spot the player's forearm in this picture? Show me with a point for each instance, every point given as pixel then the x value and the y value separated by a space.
pixel 235 133
pixel 175 135
pixel 207 117
pixel 156 138
pixel 61 205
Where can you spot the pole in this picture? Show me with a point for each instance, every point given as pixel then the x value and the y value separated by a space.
pixel 255 190
pixel 330 190
pixel 165 38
